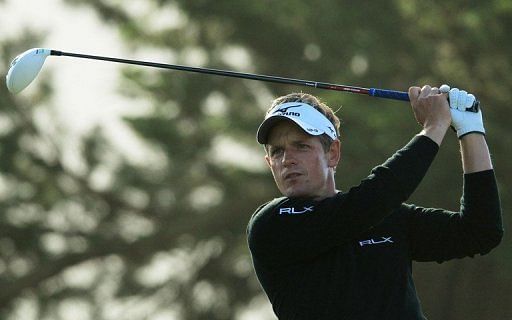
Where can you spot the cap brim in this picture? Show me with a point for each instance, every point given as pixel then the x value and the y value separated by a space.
pixel 303 115
pixel 266 126
pixel 269 123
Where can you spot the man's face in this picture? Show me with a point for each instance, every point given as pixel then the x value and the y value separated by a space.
pixel 300 166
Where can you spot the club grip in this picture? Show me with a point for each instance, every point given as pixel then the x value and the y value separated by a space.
pixel 389 94
pixel 474 107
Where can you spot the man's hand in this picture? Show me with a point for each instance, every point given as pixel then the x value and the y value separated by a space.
pixel 465 122
pixel 431 110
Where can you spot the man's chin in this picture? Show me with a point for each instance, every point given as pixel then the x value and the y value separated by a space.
pixel 295 193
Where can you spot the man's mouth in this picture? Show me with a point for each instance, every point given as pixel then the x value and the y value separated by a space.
pixel 291 175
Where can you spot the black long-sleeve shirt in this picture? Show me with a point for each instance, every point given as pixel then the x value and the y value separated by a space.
pixel 350 256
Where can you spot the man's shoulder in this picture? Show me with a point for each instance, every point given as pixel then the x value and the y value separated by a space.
pixel 272 212
pixel 268 207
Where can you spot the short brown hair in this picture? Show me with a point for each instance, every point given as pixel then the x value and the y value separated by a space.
pixel 318 105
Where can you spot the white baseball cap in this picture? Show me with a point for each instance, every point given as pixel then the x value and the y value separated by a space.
pixel 312 121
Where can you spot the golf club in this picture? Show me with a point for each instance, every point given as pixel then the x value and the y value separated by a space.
pixel 26 66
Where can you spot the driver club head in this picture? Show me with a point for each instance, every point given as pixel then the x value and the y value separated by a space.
pixel 24 68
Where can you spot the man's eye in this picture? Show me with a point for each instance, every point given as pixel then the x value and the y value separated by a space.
pixel 275 151
pixel 303 146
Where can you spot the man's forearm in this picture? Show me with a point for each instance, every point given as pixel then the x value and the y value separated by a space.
pixel 475 153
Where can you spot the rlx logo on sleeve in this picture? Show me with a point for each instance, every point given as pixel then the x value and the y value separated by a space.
pixel 295 211
pixel 375 241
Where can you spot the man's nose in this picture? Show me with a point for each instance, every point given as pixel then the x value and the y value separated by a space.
pixel 289 157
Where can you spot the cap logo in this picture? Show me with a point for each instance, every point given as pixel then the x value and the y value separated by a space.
pixel 284 111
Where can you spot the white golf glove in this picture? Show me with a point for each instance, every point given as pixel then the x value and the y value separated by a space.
pixel 463 121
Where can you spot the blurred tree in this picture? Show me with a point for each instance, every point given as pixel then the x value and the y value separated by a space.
pixel 167 239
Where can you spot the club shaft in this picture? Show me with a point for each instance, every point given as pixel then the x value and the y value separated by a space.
pixel 381 93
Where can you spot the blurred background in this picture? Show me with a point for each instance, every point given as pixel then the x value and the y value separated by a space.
pixel 125 191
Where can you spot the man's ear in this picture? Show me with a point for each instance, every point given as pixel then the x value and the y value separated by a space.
pixel 334 153
pixel 267 160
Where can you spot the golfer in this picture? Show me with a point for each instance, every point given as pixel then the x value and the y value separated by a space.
pixel 322 253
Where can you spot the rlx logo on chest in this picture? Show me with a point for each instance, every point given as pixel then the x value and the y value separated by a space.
pixel 376 241
pixel 295 211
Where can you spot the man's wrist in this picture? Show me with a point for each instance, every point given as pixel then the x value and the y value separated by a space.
pixel 475 153
pixel 461 135
pixel 435 132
